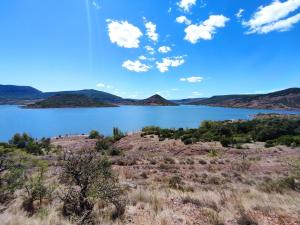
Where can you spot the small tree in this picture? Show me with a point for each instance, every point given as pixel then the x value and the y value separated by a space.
pixel 117 134
pixel 36 190
pixel 94 134
pixel 90 178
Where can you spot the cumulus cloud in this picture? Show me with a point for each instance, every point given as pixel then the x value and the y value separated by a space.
pixel 164 49
pixel 150 50
pixel 196 93
pixel 101 85
pixel 183 19
pixel 186 5
pixel 191 79
pixel 142 57
pixel 239 14
pixel 124 34
pixel 273 17
pixel 151 31
pixel 164 65
pixel 206 29
pixel 135 66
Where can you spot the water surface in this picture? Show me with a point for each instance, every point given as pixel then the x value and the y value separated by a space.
pixel 53 122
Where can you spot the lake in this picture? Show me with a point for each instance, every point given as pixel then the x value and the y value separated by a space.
pixel 53 122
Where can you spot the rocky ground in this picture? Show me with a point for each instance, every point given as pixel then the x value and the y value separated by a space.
pixel 169 183
pixel 172 183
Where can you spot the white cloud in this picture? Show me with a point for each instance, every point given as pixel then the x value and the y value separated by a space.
pixel 150 50
pixel 273 17
pixel 239 14
pixel 169 62
pixel 151 31
pixel 101 85
pixel 142 57
pixel 183 19
pixel 124 34
pixel 192 79
pixel 206 29
pixel 196 93
pixel 164 49
pixel 135 66
pixel 186 5
pixel 281 25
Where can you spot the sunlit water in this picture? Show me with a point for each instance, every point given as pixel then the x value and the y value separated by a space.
pixel 53 122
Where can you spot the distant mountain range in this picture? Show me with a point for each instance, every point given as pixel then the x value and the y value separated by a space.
pixel 285 99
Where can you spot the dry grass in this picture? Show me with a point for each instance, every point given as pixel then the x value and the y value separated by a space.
pixel 224 189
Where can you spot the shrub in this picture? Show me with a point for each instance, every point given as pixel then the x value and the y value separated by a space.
pixel 202 162
pixel 94 134
pixel 269 144
pixel 27 143
pixel 115 151
pixel 36 190
pixel 91 178
pixel 176 182
pixel 188 141
pixel 103 144
pixel 280 185
pixel 246 219
pixel 169 160
pixel 13 166
pixel 213 153
pixel 226 142
pixel 117 134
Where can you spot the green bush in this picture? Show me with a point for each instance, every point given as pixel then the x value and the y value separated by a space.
pixel 117 134
pixel 277 131
pixel 94 134
pixel 188 141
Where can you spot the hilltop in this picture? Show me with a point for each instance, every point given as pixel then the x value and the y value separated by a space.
pixel 156 100
pixel 19 92
pixel 68 100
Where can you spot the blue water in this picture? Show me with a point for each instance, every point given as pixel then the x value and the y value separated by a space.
pixel 53 122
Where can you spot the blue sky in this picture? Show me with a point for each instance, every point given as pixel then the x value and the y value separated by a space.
pixel 208 47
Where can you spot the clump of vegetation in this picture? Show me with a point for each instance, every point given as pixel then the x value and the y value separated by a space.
pixel 279 185
pixel 90 178
pixel 16 169
pixel 94 134
pixel 13 164
pixel 176 182
pixel 273 131
pixel 213 153
pixel 246 219
pixel 117 134
pixel 29 144
pixel 105 146
pixel 36 190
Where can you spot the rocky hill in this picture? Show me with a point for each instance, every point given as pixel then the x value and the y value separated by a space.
pixel 68 101
pixel 285 99
pixel 156 100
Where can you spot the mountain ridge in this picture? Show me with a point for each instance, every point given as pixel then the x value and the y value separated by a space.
pixel 284 99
